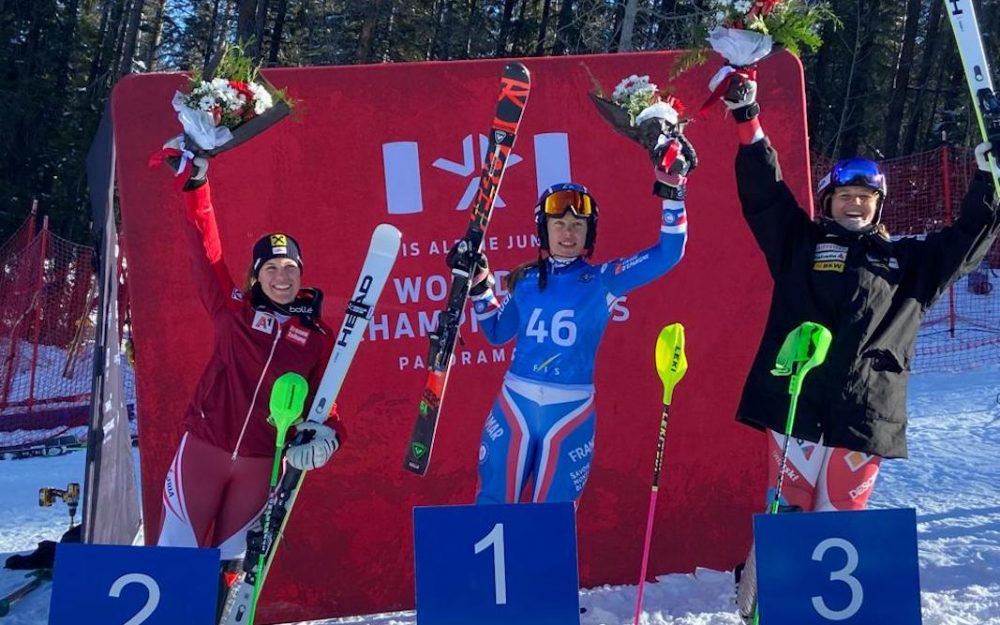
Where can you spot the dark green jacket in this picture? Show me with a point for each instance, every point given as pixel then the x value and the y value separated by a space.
pixel 871 292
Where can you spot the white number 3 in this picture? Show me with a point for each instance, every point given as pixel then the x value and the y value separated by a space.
pixel 843 575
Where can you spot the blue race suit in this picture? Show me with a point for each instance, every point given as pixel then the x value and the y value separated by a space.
pixel 541 427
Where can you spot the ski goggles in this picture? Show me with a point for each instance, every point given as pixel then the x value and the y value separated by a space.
pixel 556 204
pixel 855 172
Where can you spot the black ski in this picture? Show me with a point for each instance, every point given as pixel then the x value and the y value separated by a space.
pixel 515 86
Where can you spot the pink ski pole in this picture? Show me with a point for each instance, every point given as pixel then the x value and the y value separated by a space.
pixel 671 364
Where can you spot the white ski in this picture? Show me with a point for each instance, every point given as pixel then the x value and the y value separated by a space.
pixel 382 252
pixel 977 74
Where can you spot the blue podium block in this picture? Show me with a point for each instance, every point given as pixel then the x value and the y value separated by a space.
pixel 104 584
pixel 850 568
pixel 496 565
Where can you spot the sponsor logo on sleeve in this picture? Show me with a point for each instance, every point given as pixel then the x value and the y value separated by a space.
pixel 630 262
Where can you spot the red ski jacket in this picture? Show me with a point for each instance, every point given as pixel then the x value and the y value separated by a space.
pixel 251 348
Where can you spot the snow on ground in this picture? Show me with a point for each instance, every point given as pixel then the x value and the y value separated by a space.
pixel 951 479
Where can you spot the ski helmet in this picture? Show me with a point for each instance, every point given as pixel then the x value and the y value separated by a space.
pixel 859 172
pixel 562 197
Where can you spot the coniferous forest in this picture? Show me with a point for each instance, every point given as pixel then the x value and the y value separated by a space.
pixel 886 82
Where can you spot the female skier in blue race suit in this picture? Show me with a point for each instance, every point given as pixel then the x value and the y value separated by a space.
pixel 539 436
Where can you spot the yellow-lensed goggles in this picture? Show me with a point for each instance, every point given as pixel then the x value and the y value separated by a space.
pixel 557 203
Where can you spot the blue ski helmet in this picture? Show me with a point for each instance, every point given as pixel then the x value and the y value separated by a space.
pixel 859 172
pixel 556 201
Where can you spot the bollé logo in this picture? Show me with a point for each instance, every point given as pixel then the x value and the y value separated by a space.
pixel 356 309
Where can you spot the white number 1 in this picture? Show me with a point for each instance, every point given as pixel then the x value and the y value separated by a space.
pixel 495 539
pixel 843 575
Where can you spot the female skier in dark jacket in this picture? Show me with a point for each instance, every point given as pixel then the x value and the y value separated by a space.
pixel 844 272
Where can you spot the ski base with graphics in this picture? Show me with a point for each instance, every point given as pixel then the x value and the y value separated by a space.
pixel 515 85
pixel 381 257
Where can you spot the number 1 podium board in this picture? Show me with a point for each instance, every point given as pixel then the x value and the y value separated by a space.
pixel 851 568
pixel 496 564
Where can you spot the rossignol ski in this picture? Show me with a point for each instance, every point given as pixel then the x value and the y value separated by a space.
pixel 515 86
pixel 382 252
pixel 977 74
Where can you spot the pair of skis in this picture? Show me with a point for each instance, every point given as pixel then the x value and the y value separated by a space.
pixel 515 86
pixel 262 543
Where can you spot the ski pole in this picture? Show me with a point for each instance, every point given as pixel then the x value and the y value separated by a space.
pixel 804 348
pixel 671 364
pixel 288 396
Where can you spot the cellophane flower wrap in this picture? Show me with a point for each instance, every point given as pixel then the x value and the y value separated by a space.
pixel 212 109
pixel 746 31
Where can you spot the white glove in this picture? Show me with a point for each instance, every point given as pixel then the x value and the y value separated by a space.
pixel 318 444
pixel 981 161
pixel 742 92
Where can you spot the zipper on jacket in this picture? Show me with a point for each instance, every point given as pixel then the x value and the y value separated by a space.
pixel 256 391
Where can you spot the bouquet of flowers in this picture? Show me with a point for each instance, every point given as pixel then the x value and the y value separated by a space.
pixel 746 31
pixel 222 111
pixel 639 110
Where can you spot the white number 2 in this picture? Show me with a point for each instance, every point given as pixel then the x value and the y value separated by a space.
pixel 495 539
pixel 152 591
pixel 843 575
pixel 563 328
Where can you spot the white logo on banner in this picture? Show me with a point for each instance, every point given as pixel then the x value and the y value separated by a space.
pixel 404 187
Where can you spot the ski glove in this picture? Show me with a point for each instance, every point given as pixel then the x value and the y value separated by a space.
pixel 982 162
pixel 187 167
pixel 654 126
pixel 741 95
pixel 480 277
pixel 671 181
pixel 313 446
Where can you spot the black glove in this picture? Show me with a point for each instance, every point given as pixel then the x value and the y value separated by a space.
pixel 740 96
pixel 671 182
pixel 194 169
pixel 480 276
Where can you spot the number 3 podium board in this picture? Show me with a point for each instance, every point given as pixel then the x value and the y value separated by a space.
pixel 850 568
pixel 496 565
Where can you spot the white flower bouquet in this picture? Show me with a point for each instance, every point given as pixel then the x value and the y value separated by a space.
pixel 634 101
pixel 746 31
pixel 218 113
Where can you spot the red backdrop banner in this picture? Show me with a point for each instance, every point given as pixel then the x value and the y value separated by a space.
pixel 403 143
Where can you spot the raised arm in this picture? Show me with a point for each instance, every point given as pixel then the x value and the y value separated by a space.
pixel 945 256
pixel 769 207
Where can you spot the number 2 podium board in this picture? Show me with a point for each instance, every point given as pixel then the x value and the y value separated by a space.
pixel 112 584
